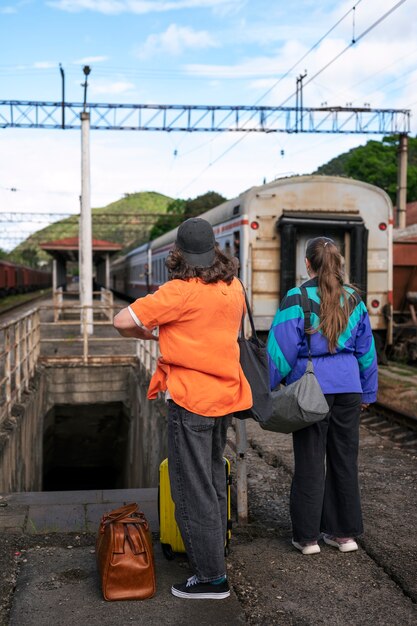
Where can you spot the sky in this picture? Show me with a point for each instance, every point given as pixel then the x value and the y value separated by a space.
pixel 209 52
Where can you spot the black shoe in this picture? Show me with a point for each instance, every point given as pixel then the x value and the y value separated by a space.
pixel 201 591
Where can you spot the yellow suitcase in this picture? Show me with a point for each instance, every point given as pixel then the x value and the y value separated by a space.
pixel 169 534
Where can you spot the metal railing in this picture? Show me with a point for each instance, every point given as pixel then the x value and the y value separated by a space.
pixel 105 297
pixel 19 353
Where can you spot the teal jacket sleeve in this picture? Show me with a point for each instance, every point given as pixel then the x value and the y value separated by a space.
pixel 285 338
pixel 367 358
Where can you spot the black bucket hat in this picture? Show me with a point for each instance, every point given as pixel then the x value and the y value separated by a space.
pixel 195 239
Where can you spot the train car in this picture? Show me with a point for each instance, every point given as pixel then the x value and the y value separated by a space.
pixel 267 228
pixel 16 279
pixel 7 278
pixel 405 293
pixel 127 273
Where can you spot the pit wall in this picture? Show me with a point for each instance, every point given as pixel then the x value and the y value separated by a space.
pixel 21 436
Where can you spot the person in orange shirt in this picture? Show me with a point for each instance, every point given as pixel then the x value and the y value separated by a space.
pixel 199 313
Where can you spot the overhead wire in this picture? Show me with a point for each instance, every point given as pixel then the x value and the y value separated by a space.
pixel 308 52
pixel 265 94
pixel 352 43
pixel 320 71
pixel 318 42
pixel 369 77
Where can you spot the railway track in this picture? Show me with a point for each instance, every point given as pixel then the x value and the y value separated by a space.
pixel 14 303
pixel 388 421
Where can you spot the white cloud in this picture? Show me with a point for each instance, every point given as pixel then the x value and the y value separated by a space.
pixel 256 67
pixel 113 88
pixel 174 41
pixel 114 7
pixel 96 59
pixel 8 10
pixel 44 65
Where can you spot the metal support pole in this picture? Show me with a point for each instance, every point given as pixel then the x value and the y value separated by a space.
pixel 107 278
pixel 63 95
pixel 85 232
pixel 402 181
pixel 296 103
pixel 241 473
pixel 54 275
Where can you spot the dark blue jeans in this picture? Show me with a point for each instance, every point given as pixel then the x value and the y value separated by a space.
pixel 198 486
pixel 325 488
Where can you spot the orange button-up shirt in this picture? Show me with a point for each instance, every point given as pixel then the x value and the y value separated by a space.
pixel 198 330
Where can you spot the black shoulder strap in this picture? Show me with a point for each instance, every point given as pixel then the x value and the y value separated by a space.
pixel 249 312
pixel 305 303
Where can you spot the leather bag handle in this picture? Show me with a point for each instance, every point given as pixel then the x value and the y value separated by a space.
pixel 119 515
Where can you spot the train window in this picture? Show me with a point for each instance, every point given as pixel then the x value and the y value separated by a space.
pixel 302 239
pixel 227 248
pixel 236 244
pixel 236 209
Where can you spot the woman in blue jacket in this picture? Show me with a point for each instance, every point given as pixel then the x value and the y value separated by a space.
pixel 325 491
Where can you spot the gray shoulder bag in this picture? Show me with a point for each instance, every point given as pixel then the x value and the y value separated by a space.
pixel 302 403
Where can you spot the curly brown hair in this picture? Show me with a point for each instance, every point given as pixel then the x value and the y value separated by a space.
pixel 224 268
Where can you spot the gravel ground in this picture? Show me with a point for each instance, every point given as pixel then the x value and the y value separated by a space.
pixel 376 585
pixel 275 584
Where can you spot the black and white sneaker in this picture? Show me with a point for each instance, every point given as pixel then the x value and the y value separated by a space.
pixel 201 591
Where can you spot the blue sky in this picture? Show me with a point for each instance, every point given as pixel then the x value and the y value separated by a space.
pixel 189 52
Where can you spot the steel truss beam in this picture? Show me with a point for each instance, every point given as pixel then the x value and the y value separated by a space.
pixel 201 118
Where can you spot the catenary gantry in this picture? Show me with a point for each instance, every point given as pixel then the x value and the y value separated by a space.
pixel 205 118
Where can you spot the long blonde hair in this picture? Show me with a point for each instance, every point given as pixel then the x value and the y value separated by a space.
pixel 326 261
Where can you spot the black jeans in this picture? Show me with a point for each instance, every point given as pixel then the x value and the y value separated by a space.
pixel 325 488
pixel 198 487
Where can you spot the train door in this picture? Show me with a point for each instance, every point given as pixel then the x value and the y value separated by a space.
pixel 302 239
pixel 348 232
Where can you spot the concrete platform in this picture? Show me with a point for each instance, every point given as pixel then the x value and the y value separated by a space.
pixel 70 511
pixel 56 581
pixel 61 586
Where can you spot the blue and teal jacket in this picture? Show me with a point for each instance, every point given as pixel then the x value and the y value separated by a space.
pixel 351 369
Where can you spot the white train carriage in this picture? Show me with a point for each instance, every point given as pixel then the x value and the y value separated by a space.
pixel 267 228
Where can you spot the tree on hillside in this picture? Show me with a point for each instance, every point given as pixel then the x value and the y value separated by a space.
pixel 29 255
pixel 174 216
pixel 3 254
pixel 203 203
pixel 376 163
pixel 180 210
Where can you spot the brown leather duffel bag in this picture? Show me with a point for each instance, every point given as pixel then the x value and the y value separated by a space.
pixel 125 555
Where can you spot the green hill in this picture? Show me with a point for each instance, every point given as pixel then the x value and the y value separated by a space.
pixel 376 163
pixel 109 222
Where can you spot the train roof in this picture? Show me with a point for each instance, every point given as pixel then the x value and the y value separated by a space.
pixel 22 267
pixel 236 206
pixel 406 235
pixel 143 247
